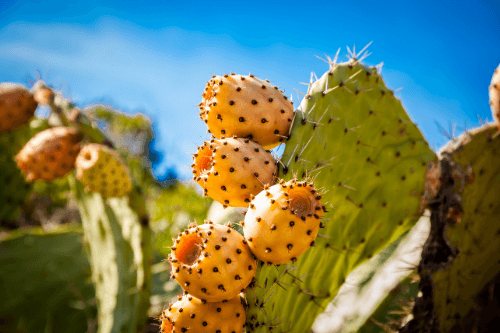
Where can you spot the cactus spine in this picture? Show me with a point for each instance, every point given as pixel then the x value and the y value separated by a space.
pixel 353 136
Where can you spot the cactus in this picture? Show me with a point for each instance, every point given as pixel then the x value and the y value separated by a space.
pixel 212 262
pixel 191 314
pixel 47 271
pixel 247 107
pixel 283 221
pixel 355 139
pixel 379 293
pixel 462 253
pixel 231 170
pixel 119 242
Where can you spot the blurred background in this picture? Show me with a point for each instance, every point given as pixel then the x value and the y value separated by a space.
pixel 155 57
pixel 138 69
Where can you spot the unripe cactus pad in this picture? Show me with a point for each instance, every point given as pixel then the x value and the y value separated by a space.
pixel 49 154
pixel 17 106
pixel 190 314
pixel 231 170
pixel 212 262
pixel 246 106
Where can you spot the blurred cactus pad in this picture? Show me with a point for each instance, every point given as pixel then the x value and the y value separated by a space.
pixel 45 282
pixel 353 137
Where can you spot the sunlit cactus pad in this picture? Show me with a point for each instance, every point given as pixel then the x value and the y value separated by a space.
pixel 353 137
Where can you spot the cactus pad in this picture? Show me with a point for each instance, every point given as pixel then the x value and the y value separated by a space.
pixel 246 106
pixel 368 159
pixel 474 228
pixel 119 244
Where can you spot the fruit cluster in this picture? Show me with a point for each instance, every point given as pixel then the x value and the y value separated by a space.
pixel 213 263
pixel 54 152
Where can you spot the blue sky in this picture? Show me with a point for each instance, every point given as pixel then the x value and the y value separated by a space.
pixel 155 57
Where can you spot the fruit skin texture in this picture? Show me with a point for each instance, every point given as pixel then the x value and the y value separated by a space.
pixel 49 154
pixel 495 95
pixel 190 314
pixel 246 106
pixel 17 106
pixel 212 262
pixel 231 170
pixel 283 221
pixel 101 170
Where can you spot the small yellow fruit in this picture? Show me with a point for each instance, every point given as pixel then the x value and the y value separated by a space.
pixel 101 170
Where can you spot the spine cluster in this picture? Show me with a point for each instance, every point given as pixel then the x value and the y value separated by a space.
pixel 214 264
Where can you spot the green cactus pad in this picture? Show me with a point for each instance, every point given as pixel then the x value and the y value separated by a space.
pixel 476 231
pixel 353 137
pixel 119 242
pixel 45 282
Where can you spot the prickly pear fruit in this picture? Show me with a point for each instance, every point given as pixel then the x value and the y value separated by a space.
pixel 49 154
pixel 246 106
pixel 212 262
pixel 101 170
pixel 495 95
pixel 189 314
pixel 283 221
pixel 42 93
pixel 17 106
pixel 231 170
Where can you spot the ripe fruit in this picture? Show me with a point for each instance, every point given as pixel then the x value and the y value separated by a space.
pixel 17 106
pixel 101 170
pixel 246 106
pixel 42 93
pixel 283 221
pixel 495 95
pixel 49 154
pixel 231 170
pixel 190 314
pixel 212 262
